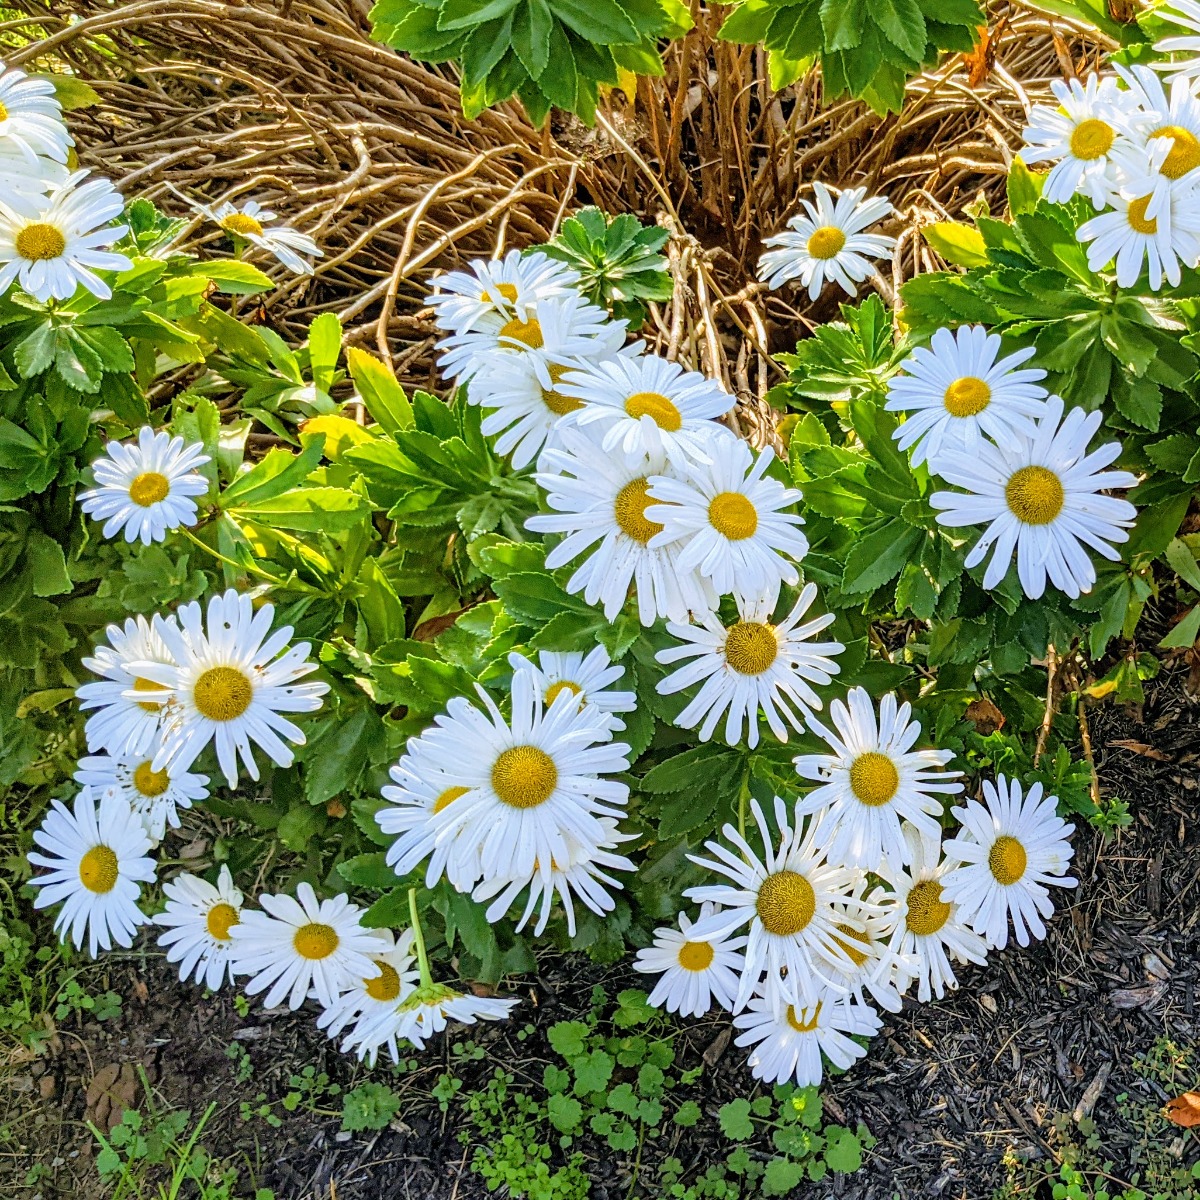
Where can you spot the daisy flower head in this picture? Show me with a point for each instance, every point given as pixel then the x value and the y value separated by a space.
pixel 197 918
pixel 302 944
pixel 1186 14
pixel 649 406
pixel 873 781
pixel 31 120
pixel 52 245
pixel 1171 121
pixel 789 1040
pixel 600 503
pixel 1080 136
pixel 96 855
pixel 749 665
pixel 793 900
pixel 128 714
pixel 1042 498
pixel 693 972
pixel 591 677
pixel 230 683
pixel 425 1012
pixel 146 487
pixel 1011 847
pixel 498 287
pixel 878 970
pixel 927 927
pixel 826 242
pixel 731 518
pixel 955 392
pixel 252 223
pixel 155 796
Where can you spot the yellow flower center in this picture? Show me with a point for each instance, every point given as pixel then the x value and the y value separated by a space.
pixel 149 782
pixel 927 912
pixel 386 985
pixel 629 511
pixel 315 941
pixel 1185 153
pixel 40 241
pixel 732 515
pixel 657 407
pixel 3 113
pixel 1035 495
pixel 524 777
pixel 967 396
pixel 1138 221
pixel 751 647
pixel 826 242
pixel 803 1023
pixel 241 224
pixel 98 870
pixel 222 693
pixel 148 685
pixel 1092 139
pixel 873 779
pixel 448 797
pixel 555 401
pixel 786 903
pixel 507 291
pixel 696 956
pixel 149 488
pixel 556 689
pixel 855 954
pixel 221 918
pixel 1007 860
pixel 528 333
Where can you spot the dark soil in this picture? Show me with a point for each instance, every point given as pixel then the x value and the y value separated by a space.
pixel 947 1089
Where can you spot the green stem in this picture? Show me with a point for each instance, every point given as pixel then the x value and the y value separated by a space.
pixel 743 798
pixel 419 939
pixel 244 568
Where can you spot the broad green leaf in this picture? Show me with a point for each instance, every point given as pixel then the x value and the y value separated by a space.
pixel 278 471
pixel 600 22
pixel 957 243
pixel 381 393
pixel 903 24
pixel 311 509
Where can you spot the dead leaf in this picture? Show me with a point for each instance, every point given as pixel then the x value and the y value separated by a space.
pixel 980 61
pixel 1140 997
pixel 985 716
pixel 1124 11
pixel 428 630
pixel 1184 1110
pixel 1140 748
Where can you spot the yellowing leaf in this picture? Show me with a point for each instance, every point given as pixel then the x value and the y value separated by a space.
pixel 341 434
pixel 958 244
pixel 1184 1110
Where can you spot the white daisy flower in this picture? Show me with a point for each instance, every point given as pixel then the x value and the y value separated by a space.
pixel 649 406
pixel 693 973
pixel 878 970
pixel 793 900
pixel 582 875
pixel 129 716
pixel 1079 137
pixel 146 488
pixel 597 498
pixel 750 665
pixel 197 920
pixel 826 242
pixel 872 781
pixel 1042 498
pixel 250 224
pixel 300 944
pixel 230 686
pixel 366 1001
pixel 1185 13
pixel 1011 847
pixel 928 928
pixel 155 796
pixel 1171 123
pixel 498 287
pixel 425 1012
pixel 956 392
pixel 590 677
pixel 31 120
pixel 730 516
pixel 97 857
pixel 52 245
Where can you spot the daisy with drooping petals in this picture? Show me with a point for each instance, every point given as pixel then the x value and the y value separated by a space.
pixel 129 716
pixel 788 899
pixel 250 224
pixel 1042 498
pixel 692 973
pixel 1186 14
pixel 590 677
pixel 955 392
pixel 96 855
pixel 789 1041
pixel 596 498
pixel 730 517
pixel 1011 848
pixel 229 683
pixel 53 244
pixel 300 944
pixel 872 781
pixel 31 121
pixel 750 665
pixel 827 242
pixel 155 796
pixel 878 969
pixel 146 488
pixel 426 1011
pixel 197 920
pixel 648 406
pixel 928 927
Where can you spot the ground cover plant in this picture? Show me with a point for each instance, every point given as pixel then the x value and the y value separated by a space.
pixel 782 700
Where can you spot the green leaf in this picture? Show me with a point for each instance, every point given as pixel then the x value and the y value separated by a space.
pixel 459 14
pixel 532 23
pixel 278 471
pixel 1024 188
pixel 843 21
pixel 72 93
pixel 1184 635
pixel 565 1113
pixel 734 1118
pixel 957 243
pixel 311 509
pixel 368 871
pixel 903 23
pixel 1182 562
pixel 602 22
pixel 843 1150
pixel 45 565
pixel 687 1114
pixel 381 393
pixel 592 1070
pixel 35 352
pixel 781 1176
pixel 234 277
pixel 568 1038
pixel 369 1106
pixel 880 556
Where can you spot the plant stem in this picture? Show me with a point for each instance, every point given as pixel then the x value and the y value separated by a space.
pixel 419 939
